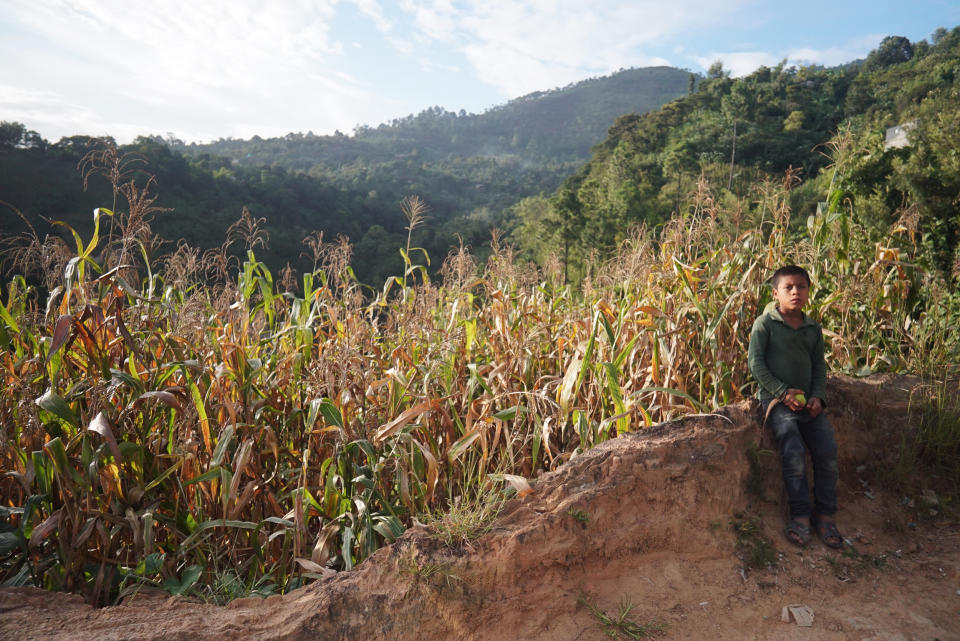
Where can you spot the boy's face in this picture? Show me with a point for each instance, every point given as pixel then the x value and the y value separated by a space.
pixel 791 293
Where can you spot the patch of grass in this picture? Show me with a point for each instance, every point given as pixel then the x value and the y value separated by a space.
pixel 850 563
pixel 467 519
pixel 579 515
pixel 621 625
pixel 931 444
pixel 753 548
pixel 434 572
pixel 226 585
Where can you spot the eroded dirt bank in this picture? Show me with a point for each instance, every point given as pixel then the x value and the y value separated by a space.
pixel 664 519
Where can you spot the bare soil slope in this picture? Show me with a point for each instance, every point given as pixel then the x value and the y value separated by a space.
pixel 666 520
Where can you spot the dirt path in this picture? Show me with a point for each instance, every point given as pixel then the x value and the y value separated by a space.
pixel 665 521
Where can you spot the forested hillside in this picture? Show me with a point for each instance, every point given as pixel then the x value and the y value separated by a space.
pixel 790 121
pixel 560 125
pixel 468 168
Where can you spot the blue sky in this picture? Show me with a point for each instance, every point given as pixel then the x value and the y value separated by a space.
pixel 205 69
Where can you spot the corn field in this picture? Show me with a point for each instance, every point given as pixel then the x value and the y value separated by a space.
pixel 191 422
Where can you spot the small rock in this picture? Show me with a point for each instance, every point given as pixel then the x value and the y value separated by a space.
pixel 800 613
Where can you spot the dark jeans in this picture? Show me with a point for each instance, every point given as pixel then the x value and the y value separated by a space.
pixel 796 433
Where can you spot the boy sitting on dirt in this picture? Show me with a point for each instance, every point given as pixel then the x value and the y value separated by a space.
pixel 786 358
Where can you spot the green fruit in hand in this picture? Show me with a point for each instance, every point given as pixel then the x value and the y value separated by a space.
pixel 801 398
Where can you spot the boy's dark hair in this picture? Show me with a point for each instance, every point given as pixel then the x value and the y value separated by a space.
pixel 789 270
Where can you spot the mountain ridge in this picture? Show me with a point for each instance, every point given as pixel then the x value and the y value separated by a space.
pixel 559 124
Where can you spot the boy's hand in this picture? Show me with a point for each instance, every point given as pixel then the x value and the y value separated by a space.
pixel 814 407
pixel 791 401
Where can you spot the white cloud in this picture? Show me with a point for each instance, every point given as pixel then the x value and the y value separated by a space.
pixel 740 63
pixel 435 20
pixel 523 46
pixel 832 56
pixel 180 57
pixel 55 116
pixel 373 10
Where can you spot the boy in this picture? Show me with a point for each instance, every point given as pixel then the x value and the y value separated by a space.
pixel 786 358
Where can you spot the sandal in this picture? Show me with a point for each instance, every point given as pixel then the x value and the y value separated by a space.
pixel 797 533
pixel 828 532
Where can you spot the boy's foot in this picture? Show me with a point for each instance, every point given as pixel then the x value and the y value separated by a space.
pixel 797 533
pixel 827 531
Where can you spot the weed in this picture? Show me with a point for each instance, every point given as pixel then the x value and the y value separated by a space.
pixel 433 572
pixel 850 563
pixel 466 519
pixel 931 441
pixel 753 548
pixel 620 625
pixel 579 515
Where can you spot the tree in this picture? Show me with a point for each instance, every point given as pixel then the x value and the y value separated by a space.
pixel 717 71
pixel 734 106
pixel 892 50
pixel 16 134
pixel 11 133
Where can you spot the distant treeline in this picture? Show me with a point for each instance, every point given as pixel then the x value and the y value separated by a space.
pixel 468 168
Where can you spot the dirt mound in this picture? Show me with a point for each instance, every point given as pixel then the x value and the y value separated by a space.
pixel 670 521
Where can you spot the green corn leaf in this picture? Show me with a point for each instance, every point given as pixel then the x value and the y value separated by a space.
pixel 209 475
pixel 508 414
pixel 58 455
pixel 23 577
pixel 325 407
pixel 11 541
pixel 95 240
pixel 346 547
pixel 462 444
pixel 588 352
pixel 174 585
pixel 625 352
pixel 58 406
pixel 166 473
pixel 470 333
pixel 224 442
pixel 130 381
pixel 214 523
pixel 7 318
pixel 611 335
pixel 389 527
pixel 673 392
pixel 201 411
